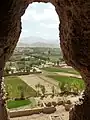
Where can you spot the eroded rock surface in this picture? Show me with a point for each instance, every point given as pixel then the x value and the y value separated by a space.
pixel 74 30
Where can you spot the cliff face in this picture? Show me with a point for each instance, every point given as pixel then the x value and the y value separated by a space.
pixel 74 30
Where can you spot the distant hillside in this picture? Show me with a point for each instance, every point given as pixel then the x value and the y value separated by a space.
pixel 19 44
pixel 37 42
pixel 42 44
pixel 31 39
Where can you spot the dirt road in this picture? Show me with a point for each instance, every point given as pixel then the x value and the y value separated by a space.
pixel 68 74
pixel 62 74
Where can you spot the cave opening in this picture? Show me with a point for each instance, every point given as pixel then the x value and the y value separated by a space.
pixel 74 33
pixel 40 25
pixel 40 20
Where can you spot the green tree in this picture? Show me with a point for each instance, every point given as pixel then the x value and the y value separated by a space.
pixel 34 70
pixel 22 89
pixel 53 91
pixel 37 88
pixel 7 70
pixel 49 52
pixel 10 64
pixel 75 88
pixel 62 86
pixel 21 65
pixel 28 69
pixel 43 89
pixel 58 63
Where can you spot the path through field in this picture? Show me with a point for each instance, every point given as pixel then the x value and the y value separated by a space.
pixel 34 79
pixel 68 74
pixel 61 73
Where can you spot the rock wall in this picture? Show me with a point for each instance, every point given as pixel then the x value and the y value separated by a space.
pixel 74 30
pixel 75 44
pixel 46 110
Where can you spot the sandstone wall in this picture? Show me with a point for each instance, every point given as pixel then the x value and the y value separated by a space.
pixel 74 30
pixel 28 112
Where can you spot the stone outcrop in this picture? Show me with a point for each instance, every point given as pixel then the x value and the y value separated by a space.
pixel 74 30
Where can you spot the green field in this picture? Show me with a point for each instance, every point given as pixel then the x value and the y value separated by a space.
pixel 19 103
pixel 12 84
pixel 69 80
pixel 54 58
pixel 58 69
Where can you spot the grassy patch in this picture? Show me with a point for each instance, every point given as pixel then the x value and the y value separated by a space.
pixel 19 103
pixel 58 69
pixel 33 103
pixel 54 58
pixel 69 80
pixel 12 83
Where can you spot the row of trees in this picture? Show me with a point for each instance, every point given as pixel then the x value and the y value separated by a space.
pixel 21 66
pixel 68 88
pixel 20 89
pixel 41 88
pixel 64 89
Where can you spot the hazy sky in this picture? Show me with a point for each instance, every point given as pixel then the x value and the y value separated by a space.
pixel 41 20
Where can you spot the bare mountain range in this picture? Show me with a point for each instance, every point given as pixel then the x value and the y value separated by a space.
pixel 37 42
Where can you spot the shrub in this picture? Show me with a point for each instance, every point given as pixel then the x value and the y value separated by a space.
pixel 48 104
pixel 21 89
pixel 68 102
pixel 54 103
pixel 60 102
pixel 43 89
pixel 67 107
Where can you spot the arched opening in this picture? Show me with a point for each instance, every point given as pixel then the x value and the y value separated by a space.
pixel 40 25
pixel 74 31
pixel 40 20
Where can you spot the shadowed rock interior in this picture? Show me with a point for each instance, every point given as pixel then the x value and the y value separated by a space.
pixel 74 16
